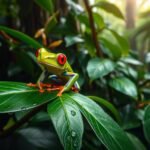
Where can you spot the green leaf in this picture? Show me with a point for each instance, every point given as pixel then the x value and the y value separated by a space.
pixel 97 68
pixel 131 61
pixel 136 142
pixel 117 45
pixel 127 70
pixel 21 36
pixel 122 42
pixel 67 121
pixel 70 40
pixel 111 49
pixel 15 96
pixel 99 20
pixel 146 123
pixel 110 8
pixel 106 129
pixel 76 7
pixel 107 105
pixel 46 4
pixel 124 85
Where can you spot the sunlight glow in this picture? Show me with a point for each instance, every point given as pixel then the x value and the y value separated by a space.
pixel 143 4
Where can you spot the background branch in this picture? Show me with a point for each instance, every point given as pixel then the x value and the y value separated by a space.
pixel 94 33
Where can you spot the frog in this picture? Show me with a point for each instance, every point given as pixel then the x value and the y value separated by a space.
pixel 59 67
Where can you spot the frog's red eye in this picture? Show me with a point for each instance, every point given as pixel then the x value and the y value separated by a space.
pixel 37 53
pixel 61 59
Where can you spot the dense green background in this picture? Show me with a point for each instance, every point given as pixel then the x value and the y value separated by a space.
pixel 107 45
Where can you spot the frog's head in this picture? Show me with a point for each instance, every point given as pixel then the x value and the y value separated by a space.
pixel 49 60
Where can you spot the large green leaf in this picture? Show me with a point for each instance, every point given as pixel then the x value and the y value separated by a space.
pixel 146 123
pixel 15 96
pixel 21 36
pixel 99 67
pixel 67 121
pixel 112 50
pixel 107 105
pixel 122 42
pixel 46 4
pixel 106 129
pixel 136 142
pixel 110 8
pixel 124 85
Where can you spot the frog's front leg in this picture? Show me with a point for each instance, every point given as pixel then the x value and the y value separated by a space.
pixel 39 83
pixel 72 81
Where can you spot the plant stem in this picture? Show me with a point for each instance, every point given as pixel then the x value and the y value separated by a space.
pixel 22 121
pixel 94 33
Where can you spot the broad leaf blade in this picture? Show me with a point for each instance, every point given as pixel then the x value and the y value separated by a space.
pixel 136 142
pixel 99 67
pixel 108 132
pixel 111 49
pixel 15 96
pixel 122 42
pixel 21 36
pixel 67 121
pixel 108 105
pixel 110 8
pixel 124 85
pixel 146 123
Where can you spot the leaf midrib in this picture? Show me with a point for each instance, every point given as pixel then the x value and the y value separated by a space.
pixel 17 92
pixel 66 116
pixel 97 121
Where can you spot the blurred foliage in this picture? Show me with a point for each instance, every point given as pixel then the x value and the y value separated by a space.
pixel 114 67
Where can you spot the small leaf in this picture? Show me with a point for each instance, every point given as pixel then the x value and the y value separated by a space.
pixel 21 36
pixel 67 121
pixel 76 7
pixel 70 40
pixel 124 85
pixel 110 8
pixel 131 61
pixel 146 123
pixel 15 96
pixel 107 105
pixel 46 4
pixel 106 129
pixel 97 68
pixel 136 142
pixel 99 20
pixel 127 70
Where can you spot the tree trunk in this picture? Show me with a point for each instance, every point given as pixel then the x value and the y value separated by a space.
pixel 130 13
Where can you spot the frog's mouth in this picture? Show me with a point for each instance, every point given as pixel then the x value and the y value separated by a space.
pixel 52 66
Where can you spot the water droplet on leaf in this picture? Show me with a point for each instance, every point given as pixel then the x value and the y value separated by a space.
pixel 23 108
pixel 73 113
pixel 75 144
pixel 73 133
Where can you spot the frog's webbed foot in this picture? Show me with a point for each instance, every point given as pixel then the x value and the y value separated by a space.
pixel 40 85
pixel 75 89
pixel 60 91
pixel 32 85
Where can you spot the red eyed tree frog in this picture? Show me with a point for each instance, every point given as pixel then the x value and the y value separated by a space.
pixel 56 64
